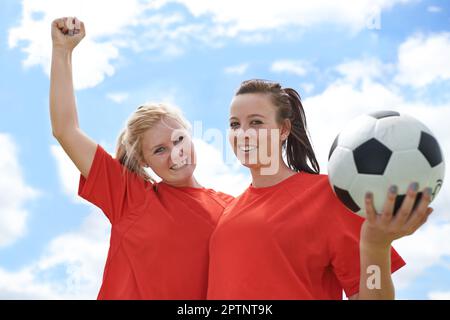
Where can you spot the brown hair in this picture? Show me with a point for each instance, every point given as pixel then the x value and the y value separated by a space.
pixel 289 106
pixel 129 143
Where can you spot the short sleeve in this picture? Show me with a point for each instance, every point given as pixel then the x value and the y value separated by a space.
pixel 344 249
pixel 111 187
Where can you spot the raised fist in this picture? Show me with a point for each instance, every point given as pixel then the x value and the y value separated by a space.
pixel 67 32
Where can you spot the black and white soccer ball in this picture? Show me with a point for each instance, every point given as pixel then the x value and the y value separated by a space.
pixel 381 149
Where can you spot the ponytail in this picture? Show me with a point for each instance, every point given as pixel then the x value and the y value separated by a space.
pixel 298 146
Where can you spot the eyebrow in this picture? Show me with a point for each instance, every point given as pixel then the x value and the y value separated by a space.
pixel 249 116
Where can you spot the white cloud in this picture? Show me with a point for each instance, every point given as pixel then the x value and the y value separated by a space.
pixel 71 266
pixel 428 247
pixel 422 59
pixel 68 173
pixel 439 295
pixel 434 9
pixel 239 69
pixel 297 67
pixel 140 25
pixel 117 97
pixel 93 59
pixel 307 87
pixel 14 194
pixel 240 16
pixel 366 69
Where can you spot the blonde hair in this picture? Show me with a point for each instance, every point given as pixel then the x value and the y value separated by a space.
pixel 129 143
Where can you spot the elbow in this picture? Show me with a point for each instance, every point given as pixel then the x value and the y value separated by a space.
pixel 60 135
pixel 56 134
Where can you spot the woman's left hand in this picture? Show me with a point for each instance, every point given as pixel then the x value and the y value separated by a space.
pixel 380 229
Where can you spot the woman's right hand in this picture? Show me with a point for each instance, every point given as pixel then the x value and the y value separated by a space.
pixel 67 33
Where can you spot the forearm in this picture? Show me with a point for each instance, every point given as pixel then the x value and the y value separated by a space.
pixel 375 280
pixel 63 110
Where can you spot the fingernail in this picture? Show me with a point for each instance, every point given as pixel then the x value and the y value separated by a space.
pixel 393 189
pixel 414 186
pixel 369 195
pixel 428 191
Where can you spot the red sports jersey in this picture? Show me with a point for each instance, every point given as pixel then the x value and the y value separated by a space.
pixel 160 234
pixel 293 240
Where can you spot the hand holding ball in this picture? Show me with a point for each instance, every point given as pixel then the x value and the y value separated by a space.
pixel 380 150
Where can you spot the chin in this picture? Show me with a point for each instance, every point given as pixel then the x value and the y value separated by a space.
pixel 250 166
pixel 183 174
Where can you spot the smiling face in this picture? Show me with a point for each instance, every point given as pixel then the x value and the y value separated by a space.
pixel 255 134
pixel 168 150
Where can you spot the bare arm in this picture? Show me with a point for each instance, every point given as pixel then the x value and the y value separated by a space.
pixel 63 111
pixel 376 282
pixel 377 234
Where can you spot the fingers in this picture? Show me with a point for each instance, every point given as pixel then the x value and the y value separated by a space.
pixel 371 214
pixel 413 225
pixel 59 23
pixel 389 204
pixel 407 205
pixel 420 214
pixel 69 25
pixel 429 211
pixel 77 26
pixel 82 28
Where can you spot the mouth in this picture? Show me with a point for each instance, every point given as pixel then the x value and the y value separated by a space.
pixel 247 148
pixel 179 165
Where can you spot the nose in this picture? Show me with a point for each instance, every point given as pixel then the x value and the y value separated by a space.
pixel 246 134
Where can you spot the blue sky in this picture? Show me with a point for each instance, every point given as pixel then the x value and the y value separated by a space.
pixel 344 60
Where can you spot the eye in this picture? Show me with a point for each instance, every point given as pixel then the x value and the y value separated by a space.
pixel 256 122
pixel 159 150
pixel 234 125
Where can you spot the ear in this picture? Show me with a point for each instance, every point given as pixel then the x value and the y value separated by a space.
pixel 285 129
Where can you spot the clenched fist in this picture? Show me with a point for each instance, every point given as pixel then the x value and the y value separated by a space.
pixel 67 33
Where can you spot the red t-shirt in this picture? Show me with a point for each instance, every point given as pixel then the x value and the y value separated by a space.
pixel 160 234
pixel 293 240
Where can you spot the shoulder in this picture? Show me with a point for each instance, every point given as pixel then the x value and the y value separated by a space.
pixel 116 168
pixel 223 197
pixel 312 186
pixel 317 188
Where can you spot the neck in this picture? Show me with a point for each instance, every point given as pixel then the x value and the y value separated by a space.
pixel 190 182
pixel 260 180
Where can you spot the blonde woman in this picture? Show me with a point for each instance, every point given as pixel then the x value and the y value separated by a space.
pixel 160 231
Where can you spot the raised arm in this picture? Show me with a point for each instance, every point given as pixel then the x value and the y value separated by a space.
pixel 66 35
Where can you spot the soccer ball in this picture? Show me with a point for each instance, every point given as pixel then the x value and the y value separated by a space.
pixel 381 149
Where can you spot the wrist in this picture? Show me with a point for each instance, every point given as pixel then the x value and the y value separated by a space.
pixel 371 247
pixel 63 51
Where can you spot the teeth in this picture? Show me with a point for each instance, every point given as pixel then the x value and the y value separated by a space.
pixel 247 148
pixel 179 165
